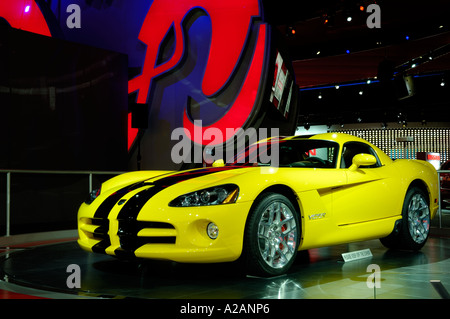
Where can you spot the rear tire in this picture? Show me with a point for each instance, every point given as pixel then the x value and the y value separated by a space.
pixel 414 228
pixel 272 236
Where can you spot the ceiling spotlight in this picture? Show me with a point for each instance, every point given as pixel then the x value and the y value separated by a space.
pixel 291 31
pixel 407 37
pixel 320 96
pixel 347 51
pixel 413 65
pixel 442 83
pixel 369 81
pixel 361 92
pixel 318 53
pixel 337 87
pixel 349 19
pixel 328 20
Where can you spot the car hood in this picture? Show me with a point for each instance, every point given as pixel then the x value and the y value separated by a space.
pixel 196 177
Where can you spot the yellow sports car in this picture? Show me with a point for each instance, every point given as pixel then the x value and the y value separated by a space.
pixel 325 190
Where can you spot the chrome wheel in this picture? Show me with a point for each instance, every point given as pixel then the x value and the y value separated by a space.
pixel 277 235
pixel 411 232
pixel 418 218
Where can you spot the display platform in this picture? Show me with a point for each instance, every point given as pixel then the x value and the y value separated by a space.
pixel 317 273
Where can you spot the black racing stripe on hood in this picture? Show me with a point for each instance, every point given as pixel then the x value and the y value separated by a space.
pixel 103 211
pixel 105 207
pixel 133 206
pixel 184 176
pixel 128 214
pixel 128 225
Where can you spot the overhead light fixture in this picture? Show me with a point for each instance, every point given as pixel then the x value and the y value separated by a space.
pixel 348 13
pixel 291 31
pixel 328 20
pixel 27 9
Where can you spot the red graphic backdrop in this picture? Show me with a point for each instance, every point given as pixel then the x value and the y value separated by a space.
pixel 233 18
pixel 24 15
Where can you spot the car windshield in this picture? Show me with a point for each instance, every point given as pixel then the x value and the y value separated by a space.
pixel 289 153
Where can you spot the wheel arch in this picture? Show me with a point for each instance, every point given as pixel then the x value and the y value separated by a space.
pixel 421 185
pixel 283 190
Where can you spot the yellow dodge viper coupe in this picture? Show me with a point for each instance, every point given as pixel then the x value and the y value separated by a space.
pixel 325 190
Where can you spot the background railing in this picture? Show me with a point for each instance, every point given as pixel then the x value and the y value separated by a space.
pixel 441 210
pixel 94 180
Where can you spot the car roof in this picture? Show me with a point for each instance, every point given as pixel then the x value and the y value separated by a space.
pixel 340 138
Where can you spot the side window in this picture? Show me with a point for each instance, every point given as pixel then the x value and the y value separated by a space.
pixel 353 148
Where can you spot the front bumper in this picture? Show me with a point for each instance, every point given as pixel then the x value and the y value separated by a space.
pixel 166 233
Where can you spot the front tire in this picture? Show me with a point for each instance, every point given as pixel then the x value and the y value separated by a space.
pixel 272 236
pixel 414 229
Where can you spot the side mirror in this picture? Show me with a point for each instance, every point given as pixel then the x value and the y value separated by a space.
pixel 218 163
pixel 362 160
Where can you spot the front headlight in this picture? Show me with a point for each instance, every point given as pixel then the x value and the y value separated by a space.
pixel 223 194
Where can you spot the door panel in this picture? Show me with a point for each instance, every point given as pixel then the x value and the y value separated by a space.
pixel 370 194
